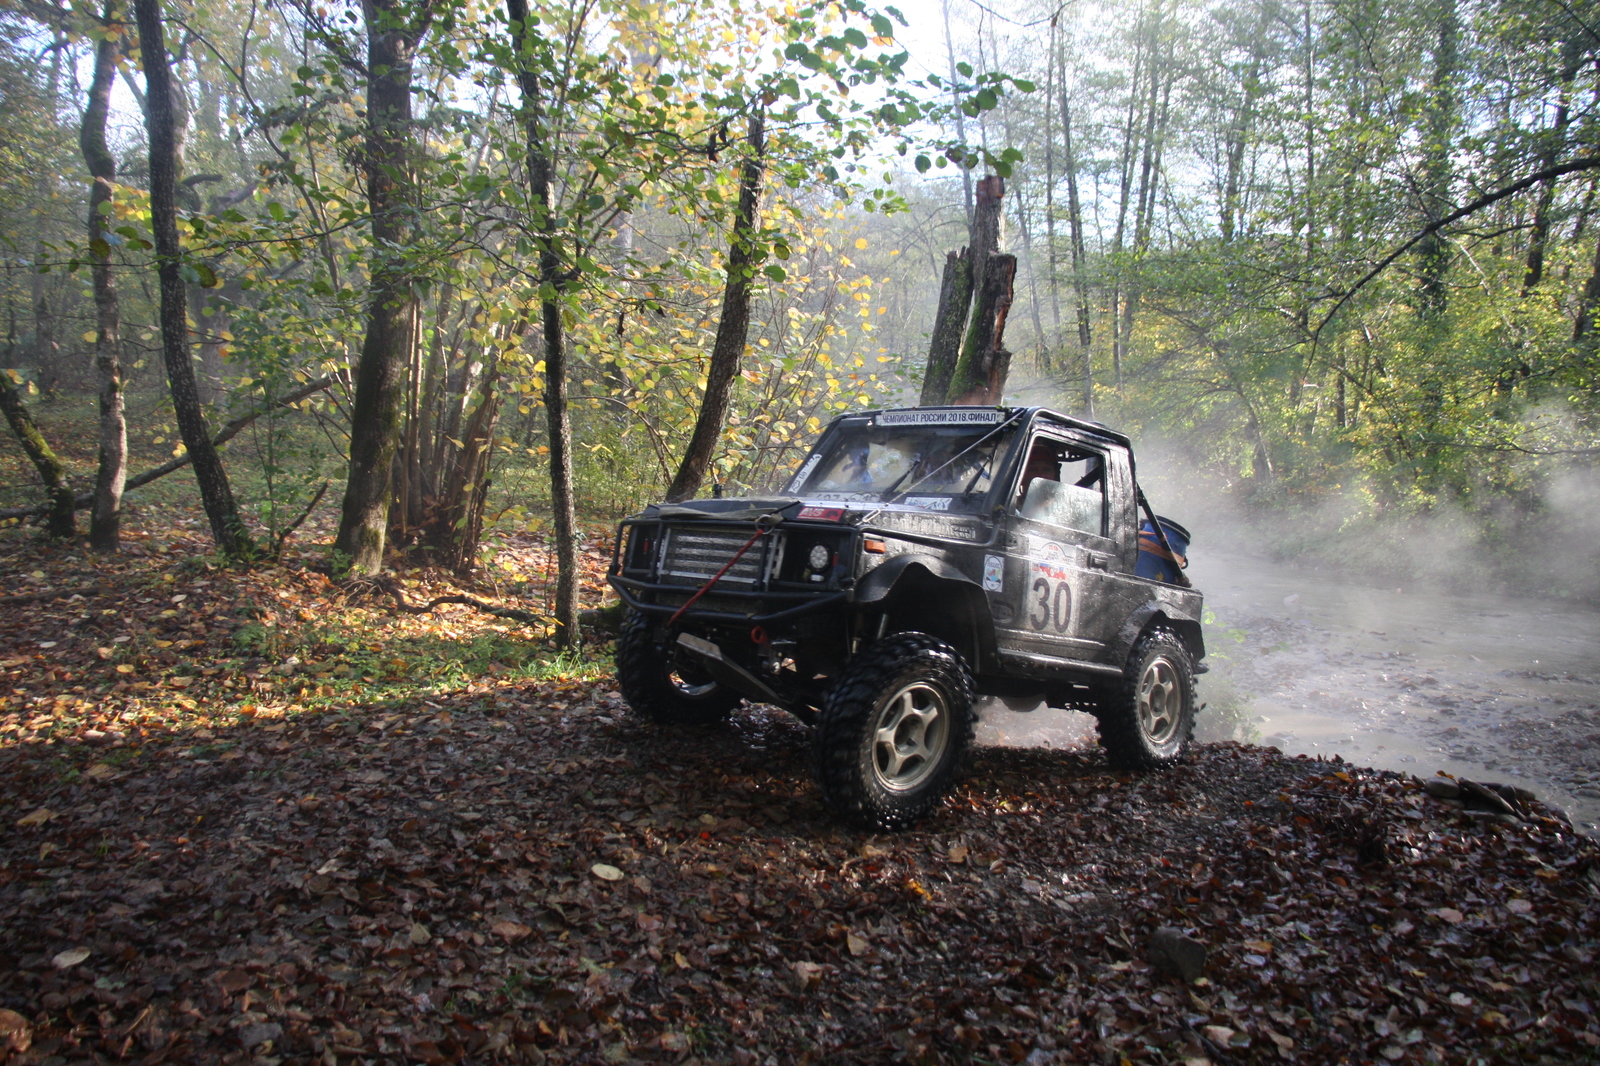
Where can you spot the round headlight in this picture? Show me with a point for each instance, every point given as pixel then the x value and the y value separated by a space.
pixel 819 557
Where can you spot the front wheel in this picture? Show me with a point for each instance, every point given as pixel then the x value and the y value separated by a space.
pixel 1147 720
pixel 893 731
pixel 663 689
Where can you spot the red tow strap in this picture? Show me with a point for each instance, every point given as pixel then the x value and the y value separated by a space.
pixel 760 532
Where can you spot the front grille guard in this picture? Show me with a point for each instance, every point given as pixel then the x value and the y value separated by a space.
pixel 633 590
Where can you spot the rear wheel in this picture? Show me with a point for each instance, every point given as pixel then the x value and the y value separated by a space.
pixel 663 686
pixel 1147 720
pixel 893 731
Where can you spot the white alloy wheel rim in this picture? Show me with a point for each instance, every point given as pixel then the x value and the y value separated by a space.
pixel 913 730
pixel 1160 700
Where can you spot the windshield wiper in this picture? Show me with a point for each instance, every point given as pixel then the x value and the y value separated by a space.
pixel 889 495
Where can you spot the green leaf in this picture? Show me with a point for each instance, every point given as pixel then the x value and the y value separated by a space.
pixel 207 277
pixel 881 26
pixel 105 207
pixel 275 209
pixel 775 272
pixel 923 163
pixel 1023 85
pixel 964 69
pixel 99 248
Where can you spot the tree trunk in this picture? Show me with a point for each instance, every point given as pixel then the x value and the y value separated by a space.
pixel 1554 144
pixel 980 372
pixel 62 521
pixel 1433 251
pixel 949 322
pixel 391 304
pixel 984 234
pixel 105 524
pixel 1161 80
pixel 1130 153
pixel 961 124
pixel 1051 258
pixel 552 282
pixel 227 527
pixel 1080 284
pixel 733 327
pixel 1583 336
pixel 980 376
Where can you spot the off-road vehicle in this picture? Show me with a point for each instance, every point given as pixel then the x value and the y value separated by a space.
pixel 919 558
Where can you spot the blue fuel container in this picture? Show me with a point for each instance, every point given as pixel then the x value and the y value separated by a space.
pixel 1154 561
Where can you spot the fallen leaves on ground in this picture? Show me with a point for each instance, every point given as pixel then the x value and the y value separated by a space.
pixel 511 868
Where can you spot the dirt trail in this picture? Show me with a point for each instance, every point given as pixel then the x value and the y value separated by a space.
pixel 1487 687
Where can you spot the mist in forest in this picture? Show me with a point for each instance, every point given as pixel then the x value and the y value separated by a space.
pixel 1225 222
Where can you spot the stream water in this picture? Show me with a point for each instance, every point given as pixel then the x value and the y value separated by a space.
pixel 1488 687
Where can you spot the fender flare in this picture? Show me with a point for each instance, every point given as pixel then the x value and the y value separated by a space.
pixel 911 574
pixel 1140 620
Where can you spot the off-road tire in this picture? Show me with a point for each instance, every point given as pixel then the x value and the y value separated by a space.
pixel 1147 719
pixel 882 760
pixel 661 689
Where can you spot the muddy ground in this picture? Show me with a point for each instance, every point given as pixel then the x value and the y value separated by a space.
pixel 1492 688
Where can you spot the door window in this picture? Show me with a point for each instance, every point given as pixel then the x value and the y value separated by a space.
pixel 1063 485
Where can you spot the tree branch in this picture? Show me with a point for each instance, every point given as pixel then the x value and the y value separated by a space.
pixel 225 434
pixel 1570 167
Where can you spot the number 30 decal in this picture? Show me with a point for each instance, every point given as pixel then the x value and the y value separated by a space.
pixel 1053 607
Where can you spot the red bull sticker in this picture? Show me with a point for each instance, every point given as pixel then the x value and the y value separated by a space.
pixel 994 573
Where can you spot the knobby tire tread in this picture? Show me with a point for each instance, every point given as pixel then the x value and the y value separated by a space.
pixel 1118 719
pixel 642 671
pixel 852 703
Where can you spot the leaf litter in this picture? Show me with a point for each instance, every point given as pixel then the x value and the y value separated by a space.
pixel 350 860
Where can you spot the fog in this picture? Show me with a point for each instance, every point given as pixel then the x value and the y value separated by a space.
pixel 1407 647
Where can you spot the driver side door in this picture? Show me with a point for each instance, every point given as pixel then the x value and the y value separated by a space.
pixel 1059 560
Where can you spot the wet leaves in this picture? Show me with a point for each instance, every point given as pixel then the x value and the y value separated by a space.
pixel 512 869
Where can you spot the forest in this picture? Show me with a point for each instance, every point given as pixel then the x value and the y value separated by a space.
pixel 339 336
pixel 486 268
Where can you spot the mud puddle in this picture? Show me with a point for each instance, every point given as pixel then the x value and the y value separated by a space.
pixel 1419 681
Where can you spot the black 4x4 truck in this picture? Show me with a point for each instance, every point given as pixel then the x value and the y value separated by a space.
pixel 919 558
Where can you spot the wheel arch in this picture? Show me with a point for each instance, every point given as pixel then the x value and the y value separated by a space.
pixel 923 594
pixel 1149 616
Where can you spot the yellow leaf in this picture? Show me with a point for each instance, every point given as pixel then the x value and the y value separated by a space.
pixel 124 668
pixel 861 242
pixel 38 817
pixel 606 872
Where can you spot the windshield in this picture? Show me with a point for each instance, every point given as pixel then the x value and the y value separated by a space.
pixel 930 466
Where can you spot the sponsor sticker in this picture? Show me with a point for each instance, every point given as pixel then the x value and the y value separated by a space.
pixel 1049 559
pixel 942 416
pixel 929 503
pixel 994 573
